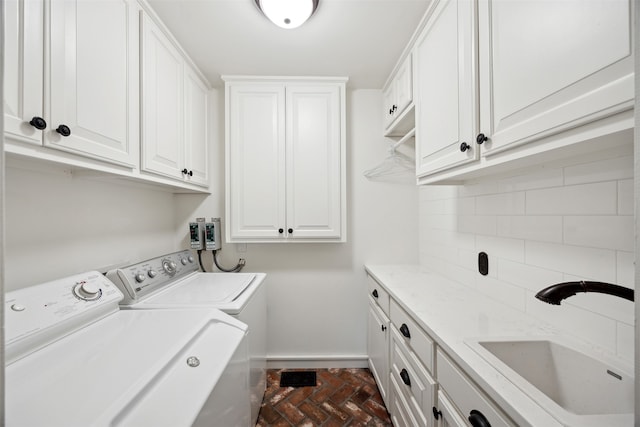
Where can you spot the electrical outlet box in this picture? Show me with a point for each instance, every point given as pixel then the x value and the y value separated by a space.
pixel 212 238
pixel 195 235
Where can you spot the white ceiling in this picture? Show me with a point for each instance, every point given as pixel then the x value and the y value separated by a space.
pixel 360 39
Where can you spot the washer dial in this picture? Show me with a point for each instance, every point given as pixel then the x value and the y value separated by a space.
pixel 87 291
pixel 169 267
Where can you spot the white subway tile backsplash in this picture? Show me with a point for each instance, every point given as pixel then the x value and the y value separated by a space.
pixel 625 341
pixel 531 227
pixel 478 224
pixel 500 247
pixel 609 232
pixel 625 273
pixel 527 276
pixel 625 197
pixel 603 170
pixel 539 228
pixel 586 199
pixel 546 178
pixel 500 204
pixel 584 262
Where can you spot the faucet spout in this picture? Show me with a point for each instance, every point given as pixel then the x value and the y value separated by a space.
pixel 554 294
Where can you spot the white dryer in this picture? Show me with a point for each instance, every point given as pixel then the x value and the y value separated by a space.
pixel 73 358
pixel 173 281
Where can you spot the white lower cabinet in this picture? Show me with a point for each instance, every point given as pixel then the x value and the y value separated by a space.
pixel 420 384
pixel 471 402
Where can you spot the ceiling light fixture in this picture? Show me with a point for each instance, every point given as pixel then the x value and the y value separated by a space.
pixel 288 13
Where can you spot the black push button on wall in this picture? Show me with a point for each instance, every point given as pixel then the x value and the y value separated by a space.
pixel 483 263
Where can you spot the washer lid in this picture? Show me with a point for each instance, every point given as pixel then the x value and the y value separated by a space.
pixel 226 291
pixel 108 371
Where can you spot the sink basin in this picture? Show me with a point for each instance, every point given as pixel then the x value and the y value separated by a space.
pixel 571 383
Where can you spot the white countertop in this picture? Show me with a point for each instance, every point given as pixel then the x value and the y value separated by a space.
pixel 451 313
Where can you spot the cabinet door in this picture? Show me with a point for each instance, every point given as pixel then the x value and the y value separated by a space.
pixel 23 68
pixel 314 153
pixel 404 86
pixel 378 348
pixel 446 99
pixel 255 161
pixel 162 103
pixel 93 79
pixel 548 66
pixel 449 416
pixel 196 113
pixel 388 101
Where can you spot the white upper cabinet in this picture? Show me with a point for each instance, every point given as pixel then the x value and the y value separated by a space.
pixel 285 151
pixel 398 100
pixel 89 101
pixel 549 66
pixel 174 110
pixel 23 70
pixel 446 88
pixel 545 69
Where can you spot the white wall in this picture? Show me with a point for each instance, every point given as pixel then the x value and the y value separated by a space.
pixel 317 292
pixel 553 225
pixel 59 223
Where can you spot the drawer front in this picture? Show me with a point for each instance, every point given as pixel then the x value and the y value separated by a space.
pixel 449 415
pixel 417 339
pixel 401 415
pixel 466 396
pixel 413 380
pixel 382 298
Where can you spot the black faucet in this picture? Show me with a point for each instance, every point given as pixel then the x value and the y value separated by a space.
pixel 556 293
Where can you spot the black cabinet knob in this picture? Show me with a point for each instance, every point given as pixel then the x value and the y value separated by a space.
pixel 190 173
pixel 184 171
pixel 405 377
pixel 481 138
pixel 375 293
pixel 464 147
pixel 384 328
pixel 290 231
pixel 395 107
pixel 63 130
pixel 404 329
pixel 280 230
pixel 477 419
pixel 436 414
pixel 38 123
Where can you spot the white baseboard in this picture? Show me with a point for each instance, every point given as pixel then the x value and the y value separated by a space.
pixel 316 362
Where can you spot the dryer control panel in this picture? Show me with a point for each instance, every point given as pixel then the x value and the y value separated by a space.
pixel 144 278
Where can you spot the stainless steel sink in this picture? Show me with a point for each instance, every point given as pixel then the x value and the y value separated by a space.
pixel 573 384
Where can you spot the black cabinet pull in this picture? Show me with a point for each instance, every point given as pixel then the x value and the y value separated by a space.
pixel 390 110
pixel 477 419
pixel 190 173
pixel 375 293
pixel 436 414
pixel 290 231
pixel 481 138
pixel 405 377
pixel 384 328
pixel 184 171
pixel 404 329
pixel 395 107
pixel 280 230
pixel 64 130
pixel 38 123
pixel 464 147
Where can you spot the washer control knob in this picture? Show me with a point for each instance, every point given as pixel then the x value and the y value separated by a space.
pixel 190 258
pixel 87 291
pixel 140 277
pixel 184 261
pixel 193 361
pixel 169 267
pixel 152 273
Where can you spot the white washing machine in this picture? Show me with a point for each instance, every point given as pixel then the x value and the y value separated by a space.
pixel 173 280
pixel 73 358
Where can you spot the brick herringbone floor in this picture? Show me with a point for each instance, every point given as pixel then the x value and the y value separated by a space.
pixel 342 397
